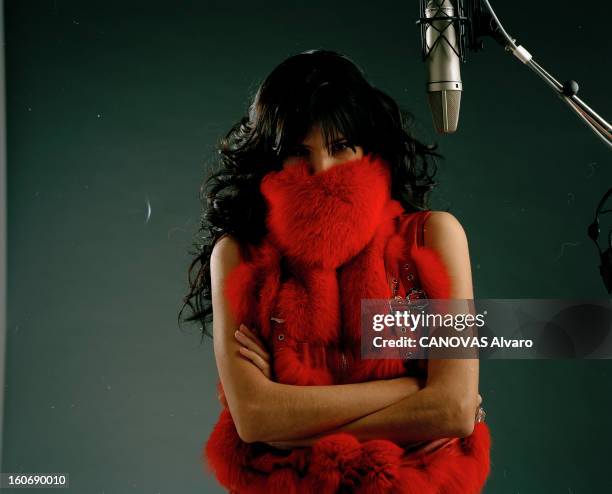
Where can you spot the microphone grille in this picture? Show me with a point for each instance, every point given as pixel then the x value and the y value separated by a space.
pixel 445 110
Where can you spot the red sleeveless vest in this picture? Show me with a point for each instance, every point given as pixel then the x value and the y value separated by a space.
pixel 393 260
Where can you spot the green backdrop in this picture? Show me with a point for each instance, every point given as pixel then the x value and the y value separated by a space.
pixel 113 106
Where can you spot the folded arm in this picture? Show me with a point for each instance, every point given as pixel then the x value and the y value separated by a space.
pixel 393 409
pixel 264 410
pixel 447 404
pixel 436 411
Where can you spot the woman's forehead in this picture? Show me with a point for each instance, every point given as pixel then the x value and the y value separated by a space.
pixel 316 135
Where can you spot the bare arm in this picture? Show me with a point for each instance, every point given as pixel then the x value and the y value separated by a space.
pixel 430 413
pixel 267 411
pixel 447 405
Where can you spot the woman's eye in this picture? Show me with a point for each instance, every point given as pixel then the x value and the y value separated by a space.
pixel 298 152
pixel 341 146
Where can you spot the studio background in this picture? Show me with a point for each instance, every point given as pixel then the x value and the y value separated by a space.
pixel 112 106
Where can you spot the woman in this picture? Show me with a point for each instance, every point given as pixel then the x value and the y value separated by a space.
pixel 321 203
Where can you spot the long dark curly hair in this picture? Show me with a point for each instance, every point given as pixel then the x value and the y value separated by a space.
pixel 313 87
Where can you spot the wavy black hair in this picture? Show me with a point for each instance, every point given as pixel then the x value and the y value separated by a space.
pixel 313 87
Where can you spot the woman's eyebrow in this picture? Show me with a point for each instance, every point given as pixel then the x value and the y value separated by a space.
pixel 335 141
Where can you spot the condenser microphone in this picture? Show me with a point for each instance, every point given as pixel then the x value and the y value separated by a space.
pixel 448 28
pixel 441 38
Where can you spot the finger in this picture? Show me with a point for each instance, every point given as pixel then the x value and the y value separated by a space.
pixel 249 333
pixel 257 360
pixel 263 366
pixel 254 337
pixel 252 345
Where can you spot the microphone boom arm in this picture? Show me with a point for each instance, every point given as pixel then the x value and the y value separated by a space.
pixel 567 91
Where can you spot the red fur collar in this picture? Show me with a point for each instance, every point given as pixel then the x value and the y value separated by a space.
pixel 323 220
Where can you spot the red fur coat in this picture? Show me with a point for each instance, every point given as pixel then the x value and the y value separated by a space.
pixel 330 237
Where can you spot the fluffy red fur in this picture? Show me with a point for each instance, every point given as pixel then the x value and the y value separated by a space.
pixel 332 232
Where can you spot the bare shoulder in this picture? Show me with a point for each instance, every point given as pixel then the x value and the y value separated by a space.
pixel 442 227
pixel 225 254
pixel 443 233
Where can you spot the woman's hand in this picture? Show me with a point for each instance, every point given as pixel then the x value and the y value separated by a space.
pixel 254 350
pixel 480 412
